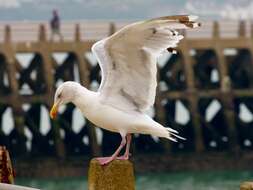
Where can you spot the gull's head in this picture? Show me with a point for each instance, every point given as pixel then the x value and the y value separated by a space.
pixel 64 94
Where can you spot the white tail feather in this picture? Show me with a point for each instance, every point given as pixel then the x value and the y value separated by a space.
pixel 179 137
pixel 172 139
pixel 160 131
pixel 171 130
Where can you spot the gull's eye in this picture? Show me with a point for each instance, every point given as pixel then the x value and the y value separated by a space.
pixel 59 95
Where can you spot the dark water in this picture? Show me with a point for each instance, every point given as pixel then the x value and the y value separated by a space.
pixel 218 180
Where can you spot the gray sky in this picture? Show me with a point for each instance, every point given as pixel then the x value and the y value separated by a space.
pixel 123 9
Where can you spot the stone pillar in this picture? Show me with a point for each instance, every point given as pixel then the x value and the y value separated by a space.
pixel 117 175
pixel 246 186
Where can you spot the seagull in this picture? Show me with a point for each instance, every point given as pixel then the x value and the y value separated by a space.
pixel 128 61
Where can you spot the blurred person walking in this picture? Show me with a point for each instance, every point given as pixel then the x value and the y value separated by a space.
pixel 55 26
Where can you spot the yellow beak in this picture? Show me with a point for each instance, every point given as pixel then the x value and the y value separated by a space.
pixel 53 111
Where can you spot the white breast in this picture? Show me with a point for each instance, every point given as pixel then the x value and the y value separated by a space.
pixel 108 117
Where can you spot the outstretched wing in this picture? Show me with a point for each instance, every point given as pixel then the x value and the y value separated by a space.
pixel 128 60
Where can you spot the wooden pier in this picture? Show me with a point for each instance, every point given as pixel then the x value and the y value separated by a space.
pixel 180 76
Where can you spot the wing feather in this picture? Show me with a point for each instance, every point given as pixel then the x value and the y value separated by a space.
pixel 128 60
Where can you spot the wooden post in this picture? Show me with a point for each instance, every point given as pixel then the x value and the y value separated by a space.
pixel 10 52
pixel 216 30
pixel 42 33
pixel 225 89
pixel 251 30
pixel 117 175
pixel 242 29
pixel 112 29
pixel 7 34
pixel 84 74
pixel 47 66
pixel 77 33
pixel 192 96
pixel 246 186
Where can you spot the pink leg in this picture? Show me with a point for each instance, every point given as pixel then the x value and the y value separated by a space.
pixel 106 160
pixel 126 154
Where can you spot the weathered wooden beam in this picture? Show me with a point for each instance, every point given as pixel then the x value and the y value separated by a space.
pixel 25 47
pixel 42 33
pixel 163 95
pixel 47 67
pixel 112 29
pixel 77 36
pixel 205 43
pixel 223 43
pixel 251 29
pixel 242 29
pixel 216 30
pixel 16 104
pixel 191 96
pixel 7 34
pixel 227 97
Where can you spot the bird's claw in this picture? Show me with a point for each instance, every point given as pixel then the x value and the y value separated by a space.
pixel 104 160
pixel 123 157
